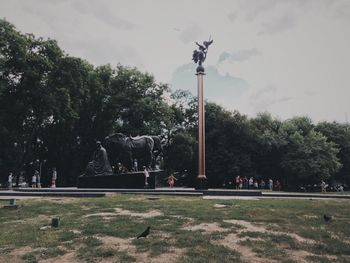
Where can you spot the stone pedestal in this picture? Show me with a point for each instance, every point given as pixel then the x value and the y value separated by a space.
pixel 201 183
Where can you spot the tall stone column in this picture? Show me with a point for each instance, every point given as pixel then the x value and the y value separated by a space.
pixel 201 127
pixel 199 57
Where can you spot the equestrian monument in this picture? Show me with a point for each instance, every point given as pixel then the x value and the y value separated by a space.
pixel 123 162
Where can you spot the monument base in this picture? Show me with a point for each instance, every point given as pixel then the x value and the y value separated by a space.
pixel 201 183
pixel 132 180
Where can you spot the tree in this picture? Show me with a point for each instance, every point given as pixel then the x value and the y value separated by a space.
pixel 308 157
pixel 228 145
pixel 180 156
pixel 25 93
pixel 268 146
pixel 340 135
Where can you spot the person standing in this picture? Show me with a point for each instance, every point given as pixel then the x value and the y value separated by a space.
pixel 245 182
pixel 251 183
pixel 240 185
pixel 271 184
pixel 136 168
pixel 38 182
pixel 256 186
pixel 262 184
pixel 54 177
pixel 323 186
pixel 145 172
pixel 34 180
pixel 119 168
pixel 278 185
pixel 9 180
pixel 171 181
pixel 237 181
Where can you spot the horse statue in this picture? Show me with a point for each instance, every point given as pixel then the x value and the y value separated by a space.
pixel 158 148
pixel 126 149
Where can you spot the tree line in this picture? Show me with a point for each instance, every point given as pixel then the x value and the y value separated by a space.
pixel 53 107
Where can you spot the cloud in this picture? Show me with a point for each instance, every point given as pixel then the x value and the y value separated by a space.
pixel 190 34
pixel 310 93
pixel 343 11
pixel 232 16
pixel 102 51
pixel 284 99
pixel 262 92
pixel 262 8
pixel 278 25
pixel 103 13
pixel 266 97
pixel 240 55
pixel 253 9
pixel 219 88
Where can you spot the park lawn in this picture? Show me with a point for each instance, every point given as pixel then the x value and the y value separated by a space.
pixel 183 229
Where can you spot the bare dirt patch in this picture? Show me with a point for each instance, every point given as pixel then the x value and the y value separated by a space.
pixel 58 200
pixel 310 216
pixel 10 258
pixel 247 225
pixel 68 257
pixel 206 227
pixel 219 206
pixel 75 231
pixel 21 251
pixel 299 255
pixel 123 212
pixel 149 214
pixel 126 245
pixel 232 240
pixel 102 214
pixel 116 242
pixel 183 217
pixel 261 229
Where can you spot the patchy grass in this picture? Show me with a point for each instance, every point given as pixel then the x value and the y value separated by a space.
pixel 261 230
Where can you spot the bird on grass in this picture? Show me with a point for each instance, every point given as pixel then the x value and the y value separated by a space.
pixel 327 218
pixel 145 233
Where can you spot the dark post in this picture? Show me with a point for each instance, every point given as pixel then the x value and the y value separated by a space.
pixel 198 57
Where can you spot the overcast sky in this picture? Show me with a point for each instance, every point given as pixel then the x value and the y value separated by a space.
pixel 287 57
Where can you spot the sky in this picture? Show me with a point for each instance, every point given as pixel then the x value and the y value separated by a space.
pixel 286 57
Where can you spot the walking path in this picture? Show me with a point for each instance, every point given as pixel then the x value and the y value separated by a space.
pixel 178 191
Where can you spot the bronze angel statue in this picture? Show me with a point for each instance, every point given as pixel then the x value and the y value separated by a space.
pixel 200 55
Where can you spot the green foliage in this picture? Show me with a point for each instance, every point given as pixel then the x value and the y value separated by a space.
pixel 308 157
pixel 180 153
pixel 340 135
pixel 229 143
pixel 55 106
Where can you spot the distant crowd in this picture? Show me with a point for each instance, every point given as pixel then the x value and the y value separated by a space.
pixel 35 180
pixel 241 182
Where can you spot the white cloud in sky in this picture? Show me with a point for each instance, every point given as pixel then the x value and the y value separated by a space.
pixel 190 34
pixel 278 25
pixel 240 55
pixel 301 46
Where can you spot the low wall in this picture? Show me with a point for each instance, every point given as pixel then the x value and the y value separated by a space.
pixel 135 180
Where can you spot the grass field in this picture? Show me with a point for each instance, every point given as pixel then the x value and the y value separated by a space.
pixel 183 229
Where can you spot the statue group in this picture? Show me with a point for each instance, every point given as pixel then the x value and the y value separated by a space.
pixel 122 150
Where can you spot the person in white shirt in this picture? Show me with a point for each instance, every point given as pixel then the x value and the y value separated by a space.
pixel 145 172
pixel 54 177
pixel 9 180
pixel 34 181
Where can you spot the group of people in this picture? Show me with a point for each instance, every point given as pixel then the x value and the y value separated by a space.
pixel 36 183
pixel 36 180
pixel 241 182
